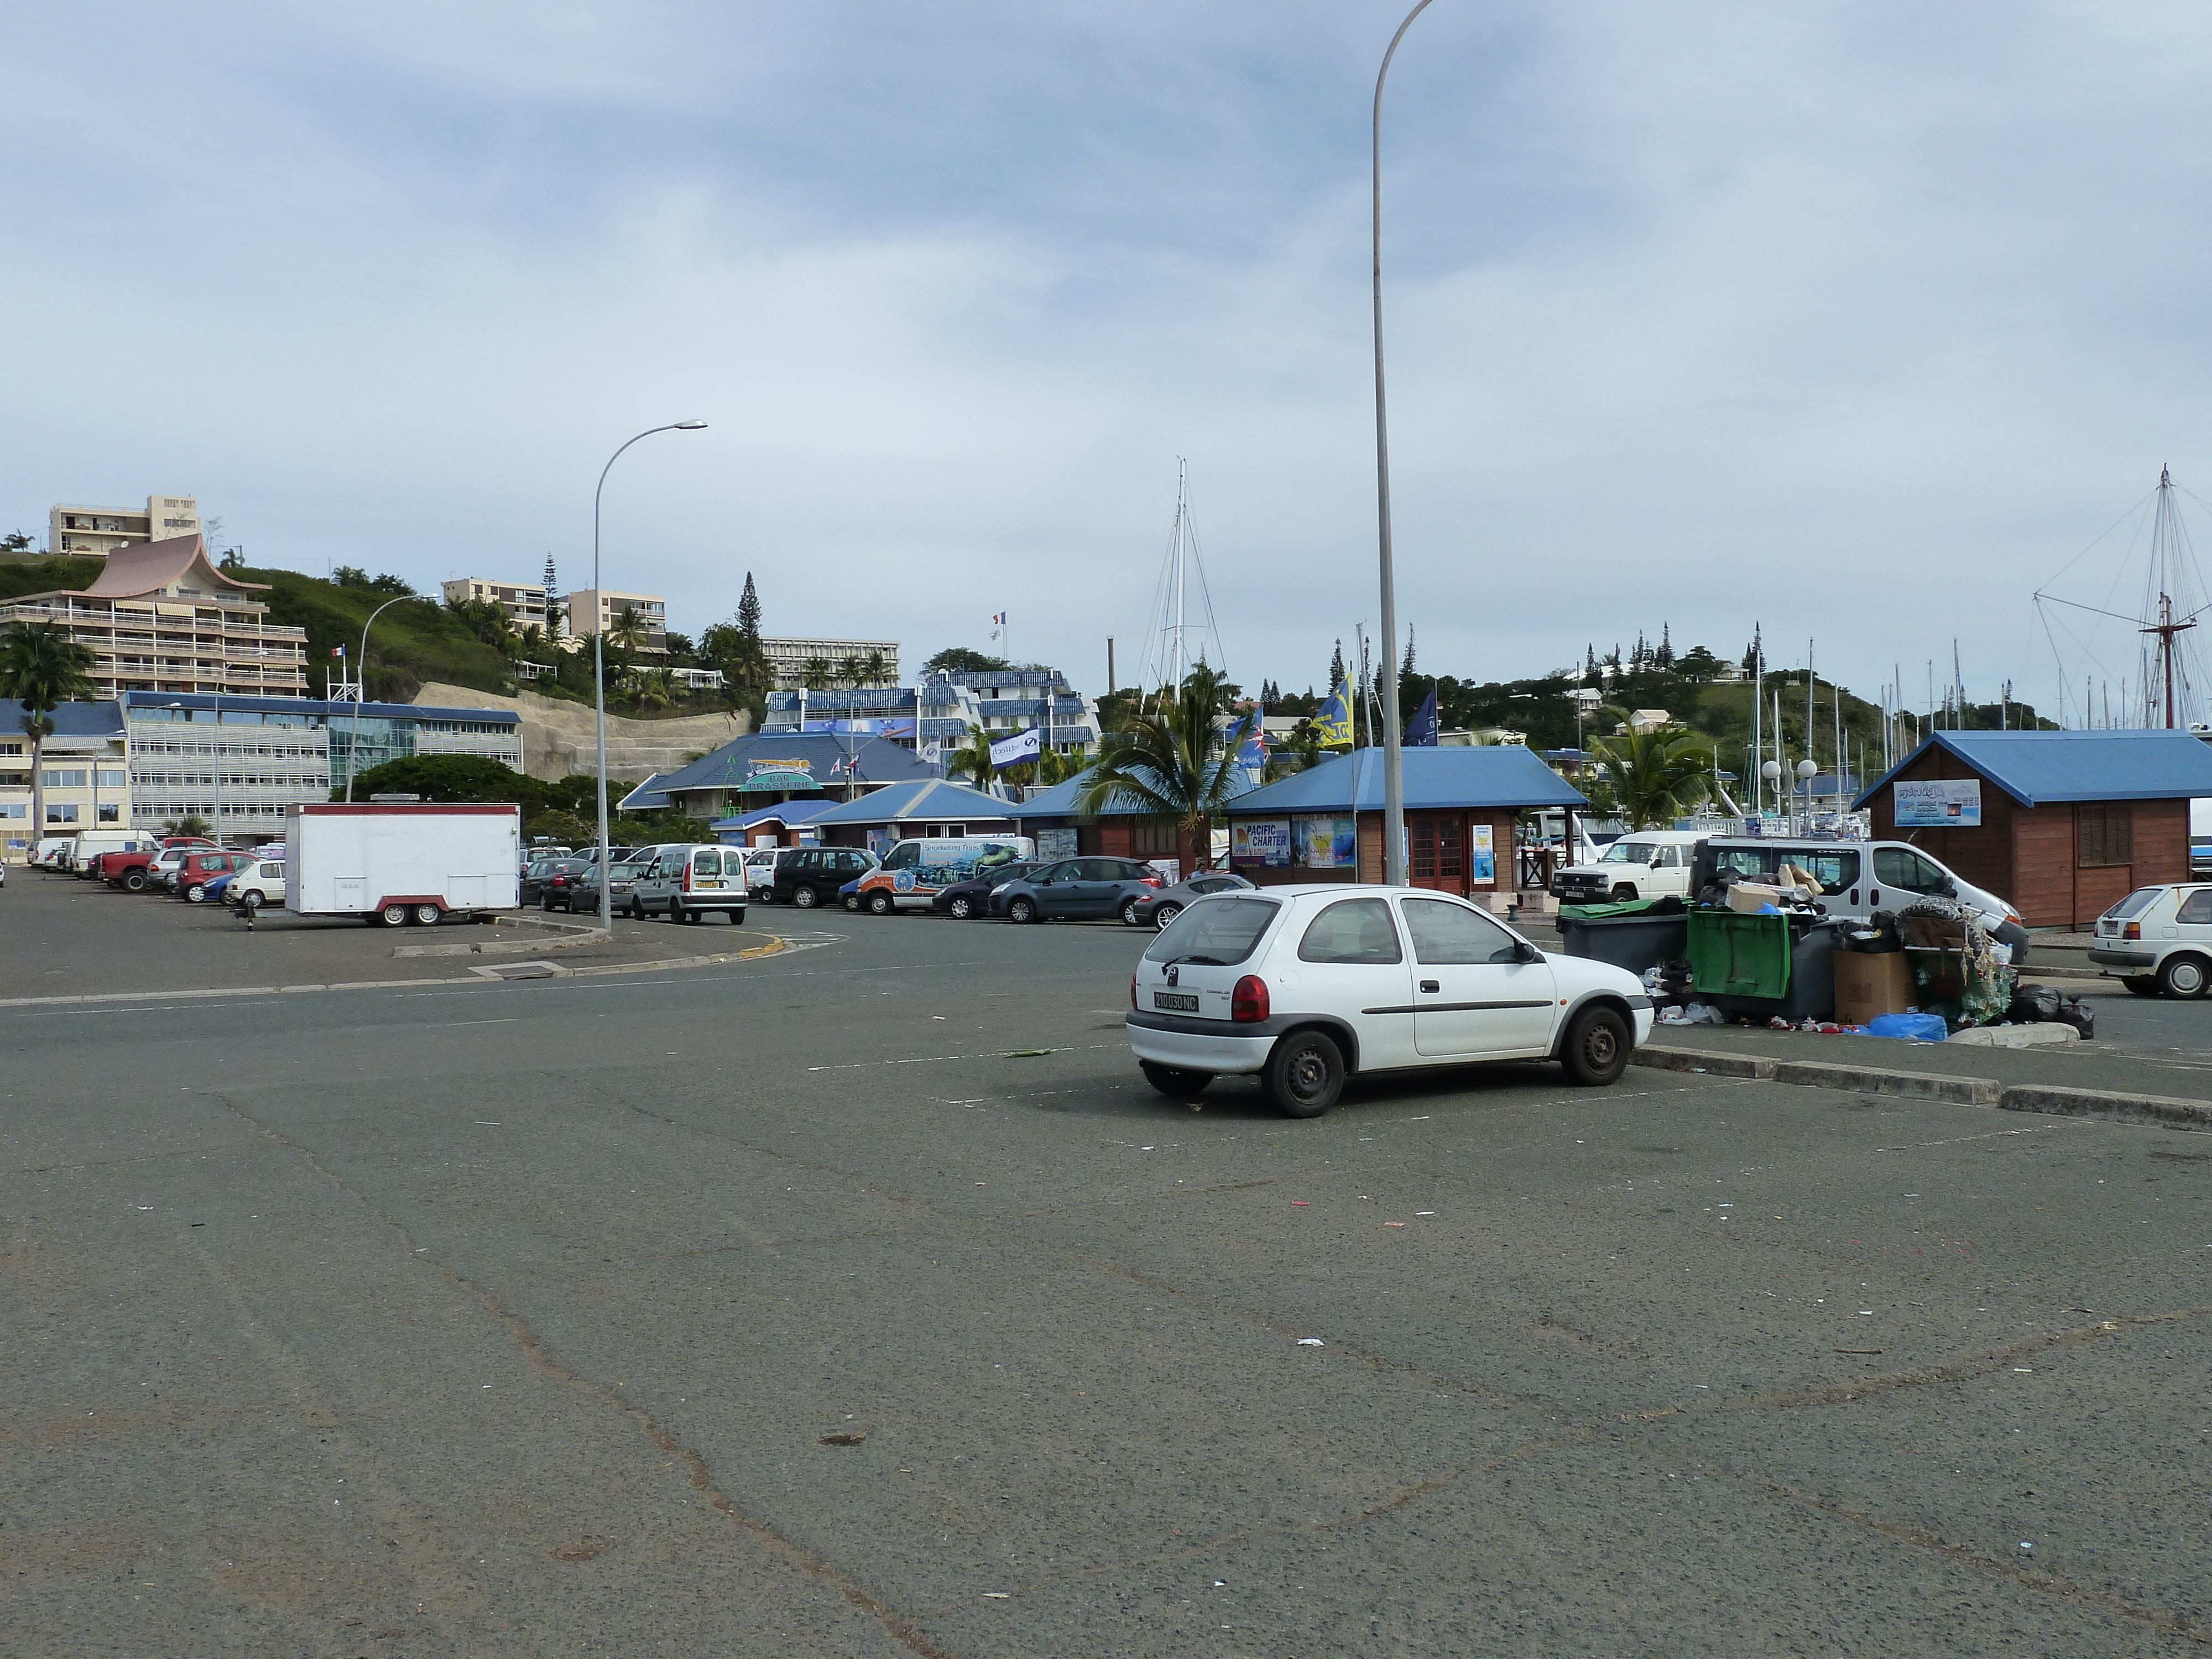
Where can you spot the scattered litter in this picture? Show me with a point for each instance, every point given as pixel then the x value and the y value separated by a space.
pixel 1300 1203
pixel 994 1596
pixel 1393 1224
pixel 2024 1369
pixel 937 1016
pixel 1858 1350
pixel 1311 1342
pixel 2024 1545
pixel 145 1207
pixel 844 1437
pixel 1424 1212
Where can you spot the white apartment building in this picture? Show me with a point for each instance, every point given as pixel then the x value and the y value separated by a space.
pixel 593 610
pixel 88 782
pixel 525 606
pixel 97 531
pixel 787 659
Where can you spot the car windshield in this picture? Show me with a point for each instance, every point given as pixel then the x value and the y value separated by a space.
pixel 1628 851
pixel 2135 903
pixel 1214 931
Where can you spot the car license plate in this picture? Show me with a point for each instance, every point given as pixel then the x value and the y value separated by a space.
pixel 1175 1002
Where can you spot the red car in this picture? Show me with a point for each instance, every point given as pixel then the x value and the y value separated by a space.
pixel 128 870
pixel 194 874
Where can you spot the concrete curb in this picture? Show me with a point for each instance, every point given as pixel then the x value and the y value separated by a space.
pixel 2108 1103
pixel 2111 1105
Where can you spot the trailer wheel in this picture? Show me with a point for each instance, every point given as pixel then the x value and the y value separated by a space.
pixel 392 916
pixel 426 915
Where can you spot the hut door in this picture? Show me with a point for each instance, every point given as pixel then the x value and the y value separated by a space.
pixel 1436 844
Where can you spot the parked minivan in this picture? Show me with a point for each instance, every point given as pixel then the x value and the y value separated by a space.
pixel 1858 877
pixel 914 871
pixel 1644 864
pixel 808 876
pixel 91 843
pixel 689 881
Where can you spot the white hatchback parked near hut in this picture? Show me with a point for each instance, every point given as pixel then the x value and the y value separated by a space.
pixel 1307 985
pixel 2159 940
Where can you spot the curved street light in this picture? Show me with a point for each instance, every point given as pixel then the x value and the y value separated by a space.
pixel 599 667
pixel 360 691
pixel 1394 774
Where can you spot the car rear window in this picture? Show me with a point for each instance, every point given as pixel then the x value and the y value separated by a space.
pixel 1220 931
pixel 2135 903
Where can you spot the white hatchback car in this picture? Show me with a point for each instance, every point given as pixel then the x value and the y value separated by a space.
pixel 1307 985
pixel 256 885
pixel 2159 940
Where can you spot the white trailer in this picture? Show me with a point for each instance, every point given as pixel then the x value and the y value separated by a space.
pixel 389 862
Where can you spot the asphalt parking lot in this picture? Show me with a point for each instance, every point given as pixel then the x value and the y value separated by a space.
pixel 859 1299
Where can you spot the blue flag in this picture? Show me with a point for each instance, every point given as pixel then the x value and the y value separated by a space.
pixel 1333 725
pixel 1422 733
pixel 1252 747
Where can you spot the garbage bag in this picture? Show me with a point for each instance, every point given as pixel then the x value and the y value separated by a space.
pixel 2033 1003
pixel 1928 1028
pixel 2080 1016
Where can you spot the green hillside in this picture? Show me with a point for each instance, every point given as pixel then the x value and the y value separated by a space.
pixel 416 640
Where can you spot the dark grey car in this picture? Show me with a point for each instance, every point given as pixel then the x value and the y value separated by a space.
pixel 1160 909
pixel 1074 889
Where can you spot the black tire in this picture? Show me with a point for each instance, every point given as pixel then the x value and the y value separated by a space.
pixel 1021 908
pixel 392 915
pixel 1623 893
pixel 426 915
pixel 962 908
pixel 1129 913
pixel 688 917
pixel 879 903
pixel 2184 976
pixel 1175 1082
pixel 252 901
pixel 135 882
pixel 1304 1075
pixel 805 898
pixel 1597 1046
pixel 2143 985
pixel 196 894
pixel 1164 914
pixel 852 903
pixel 546 903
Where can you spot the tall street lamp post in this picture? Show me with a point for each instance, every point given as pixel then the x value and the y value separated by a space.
pixel 1394 776
pixel 600 667
pixel 360 691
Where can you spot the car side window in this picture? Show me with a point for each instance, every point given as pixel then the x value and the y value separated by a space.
pixel 2197 908
pixel 1670 858
pixel 1742 864
pixel 1446 933
pixel 1352 930
pixel 1106 870
pixel 1900 866
pixel 1055 872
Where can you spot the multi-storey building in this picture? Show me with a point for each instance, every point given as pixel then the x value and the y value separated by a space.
pixel 161 618
pixel 96 531
pixel 525 606
pixel 942 709
pixel 595 610
pixel 87 783
pixel 787 659
pixel 240 764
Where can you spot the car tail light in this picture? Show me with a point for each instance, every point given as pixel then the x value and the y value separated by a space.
pixel 1248 1001
pixel 1152 881
pixel 1132 990
pixel 687 878
pixel 2133 930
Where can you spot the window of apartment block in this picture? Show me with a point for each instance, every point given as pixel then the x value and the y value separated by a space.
pixel 2104 835
pixel 65 778
pixel 110 814
pixel 61 813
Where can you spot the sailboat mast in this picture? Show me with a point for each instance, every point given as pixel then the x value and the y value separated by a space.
pixel 1181 473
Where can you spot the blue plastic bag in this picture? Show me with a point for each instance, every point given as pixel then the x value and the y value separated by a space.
pixel 1928 1028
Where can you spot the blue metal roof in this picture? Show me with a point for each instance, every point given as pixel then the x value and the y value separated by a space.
pixel 1437 780
pixel 933 799
pixel 197 700
pixel 647 796
pixel 2039 768
pixel 71 720
pixel 791 815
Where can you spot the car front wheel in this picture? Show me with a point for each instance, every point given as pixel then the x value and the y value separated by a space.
pixel 1622 894
pixel 1129 913
pixel 879 904
pixel 196 894
pixel 1175 1082
pixel 806 898
pixel 963 907
pixel 1022 909
pixel 1597 1046
pixel 2183 976
pixel 1165 913
pixel 1305 1074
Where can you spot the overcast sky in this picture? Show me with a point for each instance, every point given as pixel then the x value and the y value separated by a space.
pixel 1857 319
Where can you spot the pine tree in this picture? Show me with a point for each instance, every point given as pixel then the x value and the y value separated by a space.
pixel 749 612
pixel 1666 657
pixel 1336 666
pixel 1407 670
pixel 1589 659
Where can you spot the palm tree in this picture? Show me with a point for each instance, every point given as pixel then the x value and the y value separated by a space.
pixel 973 757
pixel 816 675
pixel 1172 759
pixel 1656 776
pixel 42 668
pixel 628 629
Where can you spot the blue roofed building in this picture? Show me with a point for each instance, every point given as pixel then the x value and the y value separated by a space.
pixel 2063 825
pixel 767 768
pixel 790 825
pixel 1119 828
pixel 88 785
pixel 927 807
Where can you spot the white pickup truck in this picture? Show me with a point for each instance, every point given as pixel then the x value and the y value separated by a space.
pixel 1644 864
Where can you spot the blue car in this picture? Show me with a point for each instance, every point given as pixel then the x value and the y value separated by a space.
pixel 849 894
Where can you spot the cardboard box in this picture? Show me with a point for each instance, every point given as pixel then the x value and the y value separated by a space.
pixel 1749 897
pixel 1870 984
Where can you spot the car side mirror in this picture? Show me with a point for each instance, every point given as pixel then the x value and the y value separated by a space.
pixel 1950 890
pixel 1525 951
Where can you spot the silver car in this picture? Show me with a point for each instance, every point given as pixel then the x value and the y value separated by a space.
pixel 687 882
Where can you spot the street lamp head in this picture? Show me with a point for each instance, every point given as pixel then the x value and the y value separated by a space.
pixel 1806 768
pixel 690 426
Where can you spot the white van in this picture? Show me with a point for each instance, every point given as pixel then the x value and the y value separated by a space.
pixel 1644 864
pixel 914 871
pixel 89 844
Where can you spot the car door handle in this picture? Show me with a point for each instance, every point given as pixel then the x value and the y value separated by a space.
pixel 1431 985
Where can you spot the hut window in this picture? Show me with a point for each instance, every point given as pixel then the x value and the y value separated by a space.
pixel 1151 838
pixel 2104 835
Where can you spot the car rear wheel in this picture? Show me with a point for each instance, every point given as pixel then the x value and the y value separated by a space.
pixel 135 882
pixel 392 916
pixel 1305 1074
pixel 1022 909
pixel 879 904
pixel 2184 976
pixel 1175 1081
pixel 1128 913
pixel 196 894
pixel 963 907
pixel 1165 913
pixel 426 915
pixel 2143 985
pixel 1597 1046
pixel 805 898
pixel 546 903
pixel 252 901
